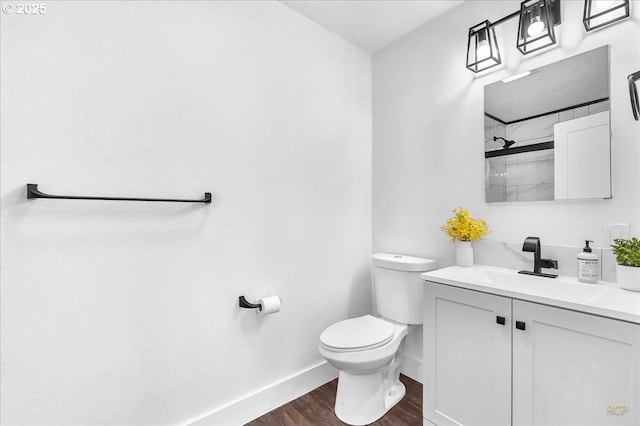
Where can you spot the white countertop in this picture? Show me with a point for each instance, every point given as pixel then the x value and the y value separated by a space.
pixel 605 299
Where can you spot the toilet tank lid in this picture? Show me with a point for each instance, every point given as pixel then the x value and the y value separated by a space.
pixel 400 262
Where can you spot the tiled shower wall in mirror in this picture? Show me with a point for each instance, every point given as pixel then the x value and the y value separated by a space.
pixel 526 176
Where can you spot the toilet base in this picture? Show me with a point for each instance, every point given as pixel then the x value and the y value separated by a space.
pixel 363 399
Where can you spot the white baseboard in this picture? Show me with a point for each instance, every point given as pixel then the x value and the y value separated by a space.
pixel 412 367
pixel 263 400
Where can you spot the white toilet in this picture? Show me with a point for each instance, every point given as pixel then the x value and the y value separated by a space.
pixel 365 349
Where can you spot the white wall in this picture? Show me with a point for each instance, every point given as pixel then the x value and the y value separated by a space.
pixel 428 136
pixel 126 313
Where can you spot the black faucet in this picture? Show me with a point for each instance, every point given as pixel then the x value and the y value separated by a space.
pixel 532 245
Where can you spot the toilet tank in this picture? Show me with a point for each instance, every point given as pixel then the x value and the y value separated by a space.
pixel 397 286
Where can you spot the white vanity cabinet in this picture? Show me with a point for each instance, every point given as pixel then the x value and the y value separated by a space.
pixel 495 360
pixel 467 357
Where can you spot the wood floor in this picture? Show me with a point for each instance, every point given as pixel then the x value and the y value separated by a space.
pixel 316 409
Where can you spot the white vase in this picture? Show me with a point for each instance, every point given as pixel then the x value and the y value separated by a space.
pixel 464 253
pixel 628 277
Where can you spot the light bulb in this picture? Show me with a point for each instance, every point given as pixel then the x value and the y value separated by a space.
pixel 535 27
pixel 483 50
pixel 603 4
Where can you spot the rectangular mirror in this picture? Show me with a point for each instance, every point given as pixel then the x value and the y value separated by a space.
pixel 547 132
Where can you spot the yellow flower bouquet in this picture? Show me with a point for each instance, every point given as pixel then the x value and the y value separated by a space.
pixel 462 227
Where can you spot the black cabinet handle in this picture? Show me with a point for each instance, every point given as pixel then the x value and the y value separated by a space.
pixel 520 325
pixel 501 320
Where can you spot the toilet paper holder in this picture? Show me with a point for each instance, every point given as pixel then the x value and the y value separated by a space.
pixel 244 303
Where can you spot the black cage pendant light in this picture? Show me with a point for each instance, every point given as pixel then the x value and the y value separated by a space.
pixel 482 48
pixel 598 13
pixel 535 28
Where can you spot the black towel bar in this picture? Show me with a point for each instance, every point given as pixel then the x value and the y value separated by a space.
pixel 33 192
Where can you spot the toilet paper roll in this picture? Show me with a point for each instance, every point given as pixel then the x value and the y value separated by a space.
pixel 268 305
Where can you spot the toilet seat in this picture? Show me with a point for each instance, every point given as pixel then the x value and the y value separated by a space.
pixel 357 334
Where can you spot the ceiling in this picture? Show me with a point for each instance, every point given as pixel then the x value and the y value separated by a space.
pixel 573 81
pixel 371 24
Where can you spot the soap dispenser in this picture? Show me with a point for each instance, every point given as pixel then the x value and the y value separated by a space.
pixel 588 266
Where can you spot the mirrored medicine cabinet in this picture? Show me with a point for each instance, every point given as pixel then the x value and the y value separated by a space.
pixel 547 132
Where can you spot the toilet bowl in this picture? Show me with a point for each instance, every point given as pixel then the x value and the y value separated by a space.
pixel 368 383
pixel 367 349
pixel 362 345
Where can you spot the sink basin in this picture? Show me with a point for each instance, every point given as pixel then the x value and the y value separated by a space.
pixel 560 287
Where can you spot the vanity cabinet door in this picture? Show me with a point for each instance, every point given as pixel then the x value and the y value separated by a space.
pixel 571 368
pixel 467 349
